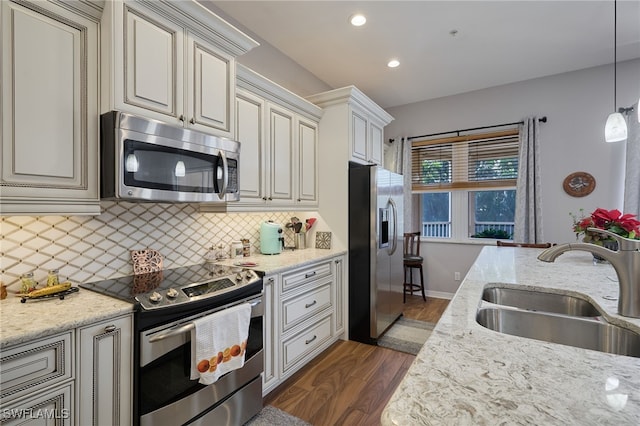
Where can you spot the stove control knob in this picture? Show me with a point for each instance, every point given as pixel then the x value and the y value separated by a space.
pixel 155 297
pixel 248 275
pixel 238 277
pixel 172 293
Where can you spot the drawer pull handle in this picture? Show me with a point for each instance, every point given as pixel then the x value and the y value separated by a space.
pixel 110 329
pixel 310 274
pixel 306 342
pixel 308 305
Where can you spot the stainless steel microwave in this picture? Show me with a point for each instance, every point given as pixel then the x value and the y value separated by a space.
pixel 148 160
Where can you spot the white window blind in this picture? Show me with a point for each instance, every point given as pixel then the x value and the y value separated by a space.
pixel 487 160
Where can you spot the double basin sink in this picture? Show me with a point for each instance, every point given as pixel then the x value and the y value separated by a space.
pixel 555 318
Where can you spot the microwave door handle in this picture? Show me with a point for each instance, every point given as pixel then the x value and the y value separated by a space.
pixel 225 175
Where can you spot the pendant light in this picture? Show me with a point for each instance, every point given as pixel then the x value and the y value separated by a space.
pixel 616 128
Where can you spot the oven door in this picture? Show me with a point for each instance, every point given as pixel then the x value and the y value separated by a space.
pixel 165 393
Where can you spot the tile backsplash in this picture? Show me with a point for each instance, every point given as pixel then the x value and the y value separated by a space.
pixel 93 248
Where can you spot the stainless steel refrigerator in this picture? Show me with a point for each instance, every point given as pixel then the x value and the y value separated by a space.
pixel 375 251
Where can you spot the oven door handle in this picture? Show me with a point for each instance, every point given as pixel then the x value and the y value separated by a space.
pixel 183 328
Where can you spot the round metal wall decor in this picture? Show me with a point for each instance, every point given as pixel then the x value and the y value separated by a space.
pixel 579 184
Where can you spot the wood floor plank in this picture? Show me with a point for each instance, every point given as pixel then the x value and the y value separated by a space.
pixel 350 383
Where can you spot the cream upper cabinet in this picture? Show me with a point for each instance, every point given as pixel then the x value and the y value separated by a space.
pixel 358 119
pixel 278 133
pixel 172 61
pixel 307 178
pixel 351 129
pixel 50 103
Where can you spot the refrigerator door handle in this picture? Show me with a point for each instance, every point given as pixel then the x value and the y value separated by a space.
pixel 394 239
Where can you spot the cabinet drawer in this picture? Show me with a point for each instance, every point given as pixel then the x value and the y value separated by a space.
pixel 299 308
pixel 305 275
pixel 303 343
pixel 53 407
pixel 30 367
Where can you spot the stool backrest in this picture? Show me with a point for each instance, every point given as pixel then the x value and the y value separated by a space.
pixel 412 243
pixel 529 245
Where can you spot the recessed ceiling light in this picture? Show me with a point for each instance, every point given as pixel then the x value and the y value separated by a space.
pixel 357 20
pixel 393 63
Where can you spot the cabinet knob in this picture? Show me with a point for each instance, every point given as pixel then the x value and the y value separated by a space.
pixel 264 198
pixel 110 329
pixel 192 121
pixel 270 198
pixel 181 118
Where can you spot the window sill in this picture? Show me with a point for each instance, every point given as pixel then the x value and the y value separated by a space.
pixel 475 242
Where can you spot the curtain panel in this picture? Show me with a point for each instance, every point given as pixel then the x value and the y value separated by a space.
pixel 528 214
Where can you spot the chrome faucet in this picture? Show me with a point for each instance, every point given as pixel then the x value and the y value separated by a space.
pixel 626 262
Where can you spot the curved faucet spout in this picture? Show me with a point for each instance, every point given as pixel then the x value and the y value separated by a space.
pixel 626 263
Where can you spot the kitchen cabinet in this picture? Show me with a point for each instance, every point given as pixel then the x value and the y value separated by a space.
pixel 104 381
pixel 270 374
pixel 171 61
pixel 50 107
pixel 80 376
pixel 37 381
pixel 307 305
pixel 351 129
pixel 279 153
pixel 364 125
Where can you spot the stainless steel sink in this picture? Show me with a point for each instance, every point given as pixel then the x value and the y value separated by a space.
pixel 581 332
pixel 540 301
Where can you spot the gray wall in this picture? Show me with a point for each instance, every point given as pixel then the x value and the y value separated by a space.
pixel 576 104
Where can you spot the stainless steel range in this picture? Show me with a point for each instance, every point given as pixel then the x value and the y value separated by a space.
pixel 166 303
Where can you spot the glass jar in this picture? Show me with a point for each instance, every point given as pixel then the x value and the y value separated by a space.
pixel 236 249
pixel 28 283
pixel 52 278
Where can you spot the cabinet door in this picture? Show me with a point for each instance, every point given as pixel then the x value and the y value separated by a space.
pixel 49 110
pixel 153 63
pixel 282 153
pixel 340 295
pixel 359 135
pixel 250 133
pixel 270 375
pixel 376 150
pixel 105 373
pixel 307 162
pixel 211 88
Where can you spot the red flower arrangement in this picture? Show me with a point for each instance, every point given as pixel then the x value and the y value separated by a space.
pixel 625 225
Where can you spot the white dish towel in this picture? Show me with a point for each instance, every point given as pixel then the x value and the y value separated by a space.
pixel 219 342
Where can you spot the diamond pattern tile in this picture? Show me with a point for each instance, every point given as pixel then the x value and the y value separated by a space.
pixel 92 248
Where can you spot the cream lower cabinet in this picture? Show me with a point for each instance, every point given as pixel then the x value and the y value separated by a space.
pixel 104 380
pixel 172 61
pixel 279 135
pixel 270 374
pixel 308 307
pixel 79 377
pixel 37 382
pixel 50 107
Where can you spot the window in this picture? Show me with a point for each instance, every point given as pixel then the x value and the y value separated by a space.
pixel 467 185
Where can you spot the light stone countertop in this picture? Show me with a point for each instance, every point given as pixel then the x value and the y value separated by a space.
pixel 466 374
pixel 274 263
pixel 23 322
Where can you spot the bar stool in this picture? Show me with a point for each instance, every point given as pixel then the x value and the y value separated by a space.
pixel 412 260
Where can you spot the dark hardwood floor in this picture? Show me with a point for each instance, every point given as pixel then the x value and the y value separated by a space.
pixel 350 383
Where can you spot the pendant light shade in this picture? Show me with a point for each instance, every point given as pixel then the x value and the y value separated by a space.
pixel 616 128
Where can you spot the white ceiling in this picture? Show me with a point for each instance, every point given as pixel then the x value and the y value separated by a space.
pixel 498 42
